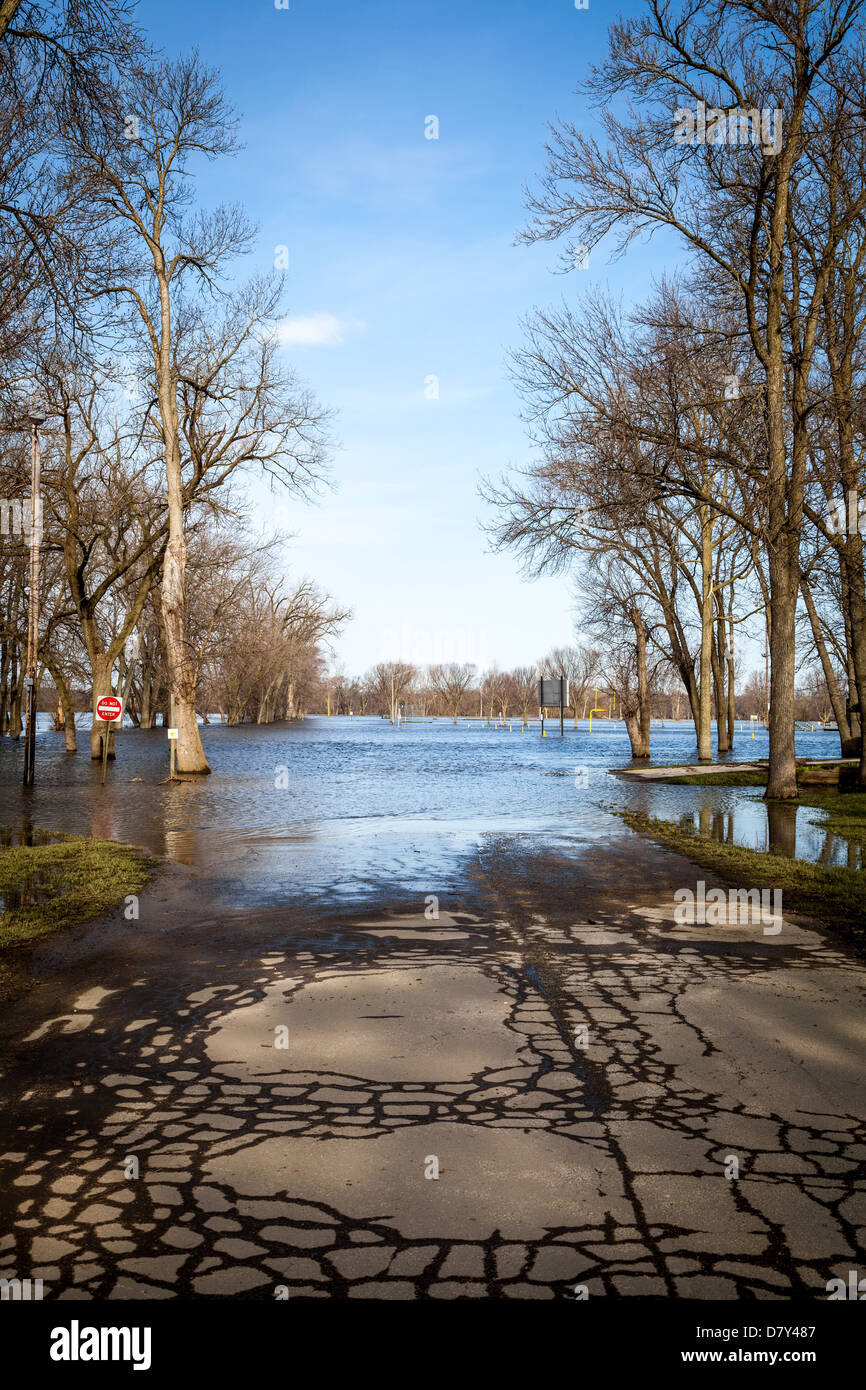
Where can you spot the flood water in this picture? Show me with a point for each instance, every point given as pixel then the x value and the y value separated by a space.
pixel 354 810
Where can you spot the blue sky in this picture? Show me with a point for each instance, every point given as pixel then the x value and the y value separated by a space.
pixel 403 267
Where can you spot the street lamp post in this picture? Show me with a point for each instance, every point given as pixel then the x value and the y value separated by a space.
pixel 36 419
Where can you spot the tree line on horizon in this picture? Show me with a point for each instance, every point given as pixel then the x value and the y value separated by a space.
pixel 457 690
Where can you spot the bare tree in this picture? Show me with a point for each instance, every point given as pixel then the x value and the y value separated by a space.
pixel 738 207
pixel 136 168
pixel 389 681
pixel 452 680
pixel 525 680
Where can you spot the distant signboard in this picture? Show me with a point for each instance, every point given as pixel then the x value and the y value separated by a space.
pixel 553 693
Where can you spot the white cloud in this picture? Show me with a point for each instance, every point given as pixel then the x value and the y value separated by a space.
pixel 317 330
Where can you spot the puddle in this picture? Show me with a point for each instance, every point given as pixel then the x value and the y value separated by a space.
pixel 740 816
pixel 14 836
pixel 794 832
pixel 35 889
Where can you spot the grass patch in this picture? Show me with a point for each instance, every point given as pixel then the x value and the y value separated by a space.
pixel 835 896
pixel 44 887
pixel 719 779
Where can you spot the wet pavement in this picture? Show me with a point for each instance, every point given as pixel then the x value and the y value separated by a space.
pixel 486 1061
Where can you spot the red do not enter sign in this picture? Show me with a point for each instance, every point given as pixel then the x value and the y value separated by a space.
pixel 108 708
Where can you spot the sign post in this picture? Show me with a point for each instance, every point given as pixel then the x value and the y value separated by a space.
pixel 172 751
pixel 553 692
pixel 108 709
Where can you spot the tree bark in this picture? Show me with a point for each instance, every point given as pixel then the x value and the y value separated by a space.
pixel 190 753
pixel 705 732
pixel 718 668
pixel 849 745
pixel 732 689
pixel 782 774
pixel 99 729
pixel 637 715
pixel 65 697
pixel 16 686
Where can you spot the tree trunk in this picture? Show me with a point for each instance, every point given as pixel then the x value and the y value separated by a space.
pixel 853 560
pixel 4 684
pixel 99 729
pixel 684 664
pixel 66 707
pixel 732 689
pixel 718 668
pixel 784 584
pixel 147 712
pixel 637 717
pixel 850 748
pixel 17 694
pixel 705 732
pixel 190 754
pixel 268 704
pixel 787 457
pixel 15 714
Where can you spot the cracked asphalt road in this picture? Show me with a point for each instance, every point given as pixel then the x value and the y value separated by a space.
pixel 255 1105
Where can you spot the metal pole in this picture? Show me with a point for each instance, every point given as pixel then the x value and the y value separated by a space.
pixel 33 612
pixel 561 710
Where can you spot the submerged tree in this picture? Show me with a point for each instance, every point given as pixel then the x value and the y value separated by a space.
pixel 219 401
pixel 739 205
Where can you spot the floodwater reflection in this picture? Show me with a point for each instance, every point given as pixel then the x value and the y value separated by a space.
pixel 792 831
pixel 782 828
pixel 371 810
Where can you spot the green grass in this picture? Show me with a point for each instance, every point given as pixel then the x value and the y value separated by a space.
pixel 719 779
pixel 835 896
pixel 45 887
